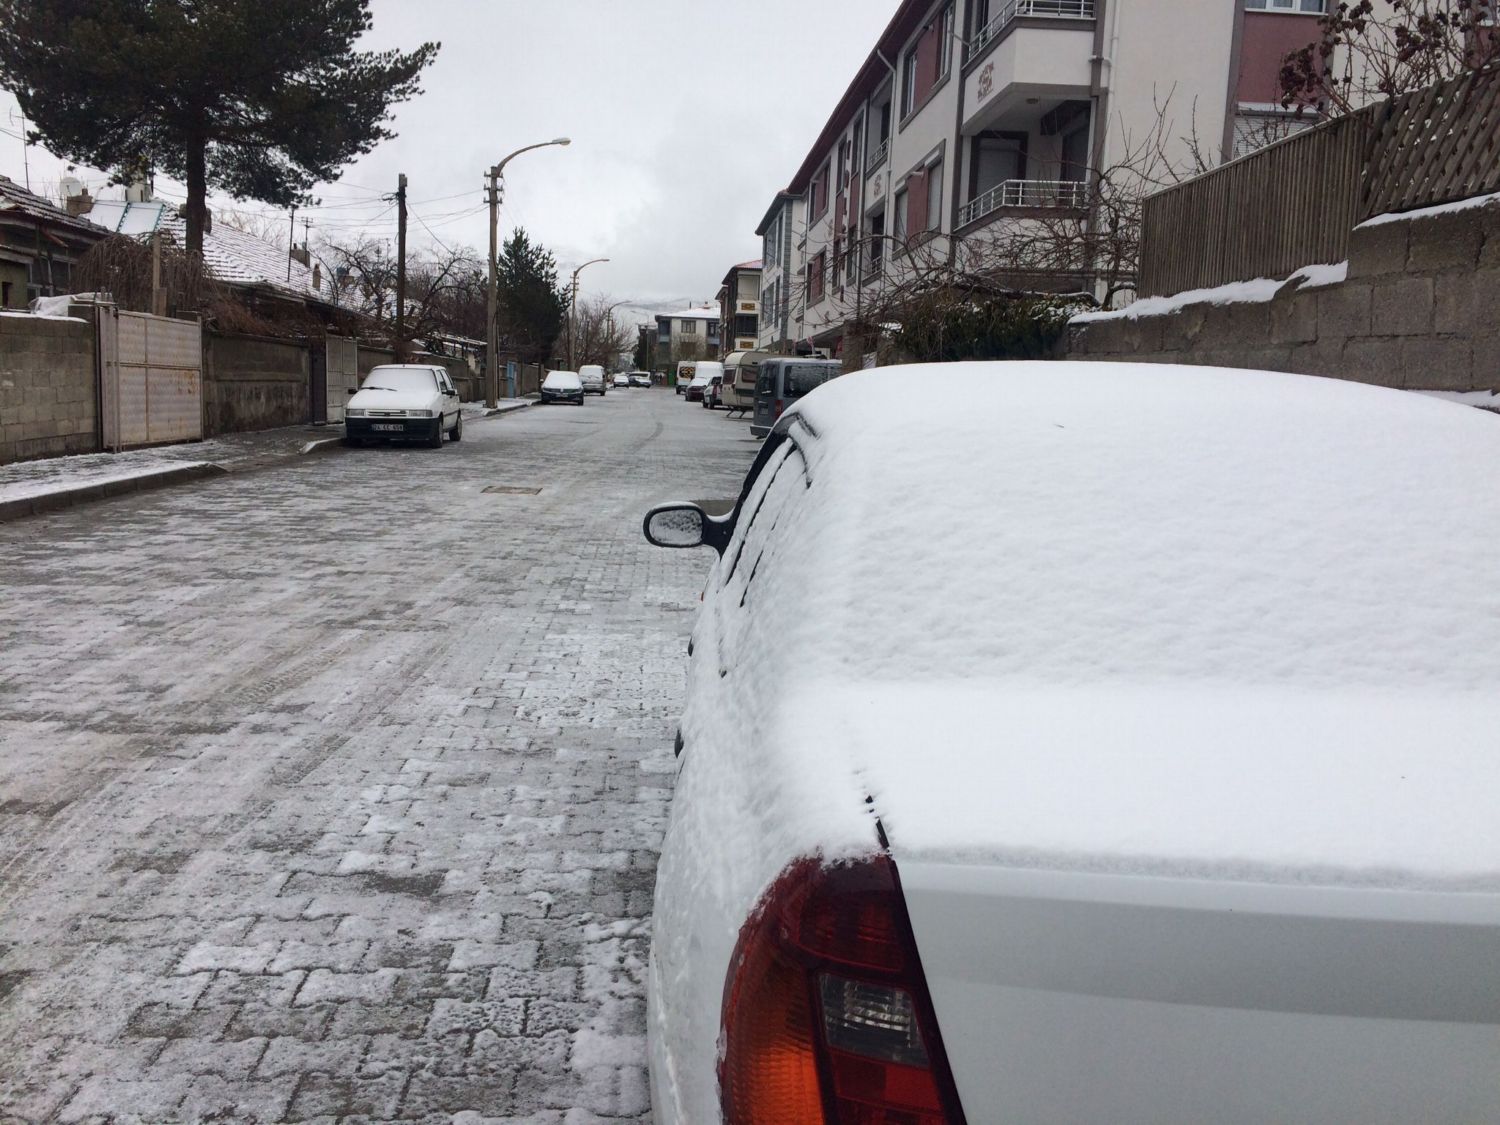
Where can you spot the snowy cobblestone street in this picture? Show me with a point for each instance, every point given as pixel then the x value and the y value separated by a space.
pixel 335 790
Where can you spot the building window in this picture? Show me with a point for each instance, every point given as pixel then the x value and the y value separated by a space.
pixel 877 244
pixel 1254 129
pixel 935 197
pixel 816 271
pixel 1312 7
pixel 690 328
pixel 902 207
pixel 945 42
pixel 994 159
pixel 909 82
pixel 1075 156
pixel 818 194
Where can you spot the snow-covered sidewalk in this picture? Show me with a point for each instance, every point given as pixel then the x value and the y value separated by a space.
pixel 30 487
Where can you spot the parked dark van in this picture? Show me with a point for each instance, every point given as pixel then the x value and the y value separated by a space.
pixel 782 381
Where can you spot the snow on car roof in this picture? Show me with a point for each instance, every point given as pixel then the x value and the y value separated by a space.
pixel 1105 592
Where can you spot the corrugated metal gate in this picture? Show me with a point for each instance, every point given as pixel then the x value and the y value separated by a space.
pixel 151 378
pixel 343 375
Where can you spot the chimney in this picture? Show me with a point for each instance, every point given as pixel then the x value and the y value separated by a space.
pixel 76 198
pixel 318 277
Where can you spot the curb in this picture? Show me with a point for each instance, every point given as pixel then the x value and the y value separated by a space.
pixel 83 493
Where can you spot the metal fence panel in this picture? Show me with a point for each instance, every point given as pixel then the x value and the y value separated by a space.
pixel 343 374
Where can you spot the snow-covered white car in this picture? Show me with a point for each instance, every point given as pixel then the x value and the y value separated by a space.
pixel 562 386
pixel 404 400
pixel 1120 744
pixel 620 379
pixel 640 379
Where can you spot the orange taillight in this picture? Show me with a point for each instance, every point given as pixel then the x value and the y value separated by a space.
pixel 826 1015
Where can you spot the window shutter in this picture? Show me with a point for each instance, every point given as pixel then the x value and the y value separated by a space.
pixel 916 202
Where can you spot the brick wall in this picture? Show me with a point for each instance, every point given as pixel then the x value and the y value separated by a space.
pixel 1418 310
pixel 254 383
pixel 47 394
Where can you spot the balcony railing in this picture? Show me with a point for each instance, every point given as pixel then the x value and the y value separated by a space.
pixel 877 158
pixel 1011 10
pixel 1025 193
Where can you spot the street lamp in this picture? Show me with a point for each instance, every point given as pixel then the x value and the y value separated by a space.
pixel 573 304
pixel 492 340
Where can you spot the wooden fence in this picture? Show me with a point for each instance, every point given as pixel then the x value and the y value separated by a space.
pixel 1296 202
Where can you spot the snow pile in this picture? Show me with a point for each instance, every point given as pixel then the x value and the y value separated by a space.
pixel 1259 291
pixel 1428 212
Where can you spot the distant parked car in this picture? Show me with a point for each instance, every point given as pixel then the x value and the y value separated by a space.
pixel 592 377
pixel 781 381
pixel 703 372
pixel 640 379
pixel 1089 743
pixel 621 380
pixel 713 393
pixel 404 401
pixel 562 386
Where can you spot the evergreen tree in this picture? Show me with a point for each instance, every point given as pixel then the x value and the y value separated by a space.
pixel 531 305
pixel 258 98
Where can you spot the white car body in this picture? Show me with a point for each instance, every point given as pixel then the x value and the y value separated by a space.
pixel 592 376
pixel 403 401
pixel 1169 695
pixel 621 380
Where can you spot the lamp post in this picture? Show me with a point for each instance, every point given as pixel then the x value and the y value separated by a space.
pixel 492 335
pixel 573 304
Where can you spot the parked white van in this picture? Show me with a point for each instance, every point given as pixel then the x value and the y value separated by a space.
pixel 593 379
pixel 686 370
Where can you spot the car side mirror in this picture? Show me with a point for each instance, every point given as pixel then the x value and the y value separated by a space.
pixel 352 391
pixel 676 526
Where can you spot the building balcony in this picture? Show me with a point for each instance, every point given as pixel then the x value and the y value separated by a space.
pixel 878 157
pixel 1012 10
pixel 1038 194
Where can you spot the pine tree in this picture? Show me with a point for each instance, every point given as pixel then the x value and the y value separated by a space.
pixel 261 99
pixel 531 306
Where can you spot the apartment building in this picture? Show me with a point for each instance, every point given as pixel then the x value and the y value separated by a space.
pixel 971 119
pixel 739 308
pixel 687 335
pixel 780 273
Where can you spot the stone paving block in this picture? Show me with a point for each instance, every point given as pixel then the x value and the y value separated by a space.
pixel 504 1017
pixel 280 822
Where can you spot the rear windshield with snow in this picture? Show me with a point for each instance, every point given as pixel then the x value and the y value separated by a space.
pixel 402 379
pixel 562 380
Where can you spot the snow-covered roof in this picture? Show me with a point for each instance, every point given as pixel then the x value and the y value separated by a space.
pixel 1130 618
pixel 14 198
pixel 243 259
pixel 690 314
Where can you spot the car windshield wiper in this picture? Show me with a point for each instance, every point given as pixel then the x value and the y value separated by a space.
pixel 377 388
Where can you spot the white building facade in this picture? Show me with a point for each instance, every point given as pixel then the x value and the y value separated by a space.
pixel 973 123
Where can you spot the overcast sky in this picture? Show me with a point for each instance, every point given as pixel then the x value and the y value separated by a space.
pixel 686 117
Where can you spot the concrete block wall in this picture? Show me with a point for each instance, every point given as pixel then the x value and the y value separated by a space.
pixel 1418 310
pixel 48 403
pixel 254 383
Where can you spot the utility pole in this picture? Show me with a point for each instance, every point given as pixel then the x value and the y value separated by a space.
pixel 158 295
pixel 492 335
pixel 572 304
pixel 492 332
pixel 291 243
pixel 401 267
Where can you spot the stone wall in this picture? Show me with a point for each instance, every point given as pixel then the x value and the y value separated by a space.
pixel 48 403
pixel 1417 310
pixel 254 383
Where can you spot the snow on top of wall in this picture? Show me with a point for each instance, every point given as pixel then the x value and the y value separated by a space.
pixel 1258 291
pixel 1428 212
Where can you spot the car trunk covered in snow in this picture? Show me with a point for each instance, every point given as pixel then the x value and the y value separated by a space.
pixel 1171 690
